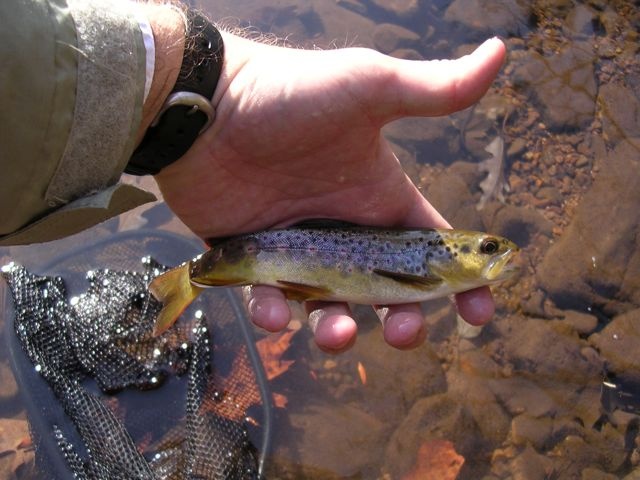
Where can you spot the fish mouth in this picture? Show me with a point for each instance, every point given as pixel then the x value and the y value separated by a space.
pixel 500 267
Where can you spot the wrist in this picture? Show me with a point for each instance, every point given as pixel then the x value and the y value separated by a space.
pixel 168 27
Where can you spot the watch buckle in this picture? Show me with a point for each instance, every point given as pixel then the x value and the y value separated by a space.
pixel 189 99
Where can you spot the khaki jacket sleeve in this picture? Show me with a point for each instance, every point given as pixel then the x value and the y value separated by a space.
pixel 71 95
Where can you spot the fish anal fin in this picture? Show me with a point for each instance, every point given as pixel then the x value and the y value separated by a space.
pixel 301 292
pixel 418 281
pixel 174 290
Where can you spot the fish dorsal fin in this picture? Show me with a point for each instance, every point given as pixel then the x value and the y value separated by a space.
pixel 301 292
pixel 420 281
pixel 323 223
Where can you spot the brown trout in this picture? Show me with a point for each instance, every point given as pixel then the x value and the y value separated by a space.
pixel 363 265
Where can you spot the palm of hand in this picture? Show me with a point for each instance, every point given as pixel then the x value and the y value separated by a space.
pixel 289 145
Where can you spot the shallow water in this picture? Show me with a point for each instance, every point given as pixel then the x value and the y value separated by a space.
pixel 525 397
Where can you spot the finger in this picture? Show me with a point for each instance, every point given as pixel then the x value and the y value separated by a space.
pixel 476 306
pixel 267 307
pixel 439 87
pixel 403 325
pixel 333 326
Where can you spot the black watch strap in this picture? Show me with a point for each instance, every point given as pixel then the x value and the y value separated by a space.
pixel 187 111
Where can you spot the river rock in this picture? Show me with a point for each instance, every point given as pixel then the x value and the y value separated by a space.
pixel 497 17
pixel 559 362
pixel 519 224
pixel 591 473
pixel 618 342
pixel 564 84
pixel 388 37
pixel 520 395
pixel 399 8
pixel 337 438
pixel 474 393
pixel 450 193
pixel 596 263
pixel 620 112
pixel 580 21
pixel 582 323
pixel 389 395
pixel 437 417
pixel 526 429
pixel 530 465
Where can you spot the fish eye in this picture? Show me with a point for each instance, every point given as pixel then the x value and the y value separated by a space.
pixel 489 246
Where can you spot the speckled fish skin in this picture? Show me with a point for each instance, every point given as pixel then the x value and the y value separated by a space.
pixel 357 264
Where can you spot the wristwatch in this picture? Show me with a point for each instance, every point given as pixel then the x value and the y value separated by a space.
pixel 188 111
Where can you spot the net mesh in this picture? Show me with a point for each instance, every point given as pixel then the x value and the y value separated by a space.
pixel 129 405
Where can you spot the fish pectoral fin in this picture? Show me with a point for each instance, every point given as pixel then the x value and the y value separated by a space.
pixel 301 292
pixel 419 281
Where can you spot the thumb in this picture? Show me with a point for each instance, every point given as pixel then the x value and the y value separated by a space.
pixel 438 87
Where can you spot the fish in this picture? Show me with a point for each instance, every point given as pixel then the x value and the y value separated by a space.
pixel 358 264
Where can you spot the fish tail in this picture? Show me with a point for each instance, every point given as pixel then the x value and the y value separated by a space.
pixel 175 291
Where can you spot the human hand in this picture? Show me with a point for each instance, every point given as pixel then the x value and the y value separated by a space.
pixel 297 136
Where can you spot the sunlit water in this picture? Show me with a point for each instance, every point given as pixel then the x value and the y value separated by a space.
pixel 548 389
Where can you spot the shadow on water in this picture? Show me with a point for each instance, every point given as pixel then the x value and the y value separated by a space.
pixel 550 389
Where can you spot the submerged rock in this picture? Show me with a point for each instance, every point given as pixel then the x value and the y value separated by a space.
pixel 399 8
pixel 388 37
pixel 436 417
pixel 341 439
pixel 618 342
pixel 596 263
pixel 499 17
pixel 563 83
pixel 620 112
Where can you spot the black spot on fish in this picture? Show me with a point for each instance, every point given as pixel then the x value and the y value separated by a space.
pixel 466 248
pixel 448 249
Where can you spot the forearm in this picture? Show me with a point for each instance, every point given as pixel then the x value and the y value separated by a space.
pixel 66 136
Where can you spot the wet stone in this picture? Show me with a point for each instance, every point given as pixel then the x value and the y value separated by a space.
pixel 341 439
pixel 451 195
pixel 480 401
pixel 407 54
pixel 582 323
pixel 560 359
pixel 563 83
pixel 388 37
pixel 436 417
pixel 497 17
pixel 530 465
pixel 591 473
pixel 400 8
pixel 580 21
pixel 353 5
pixel 392 395
pixel 620 111
pixel 519 224
pixel 617 341
pixel 519 395
pixel 596 263
pixel 526 429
